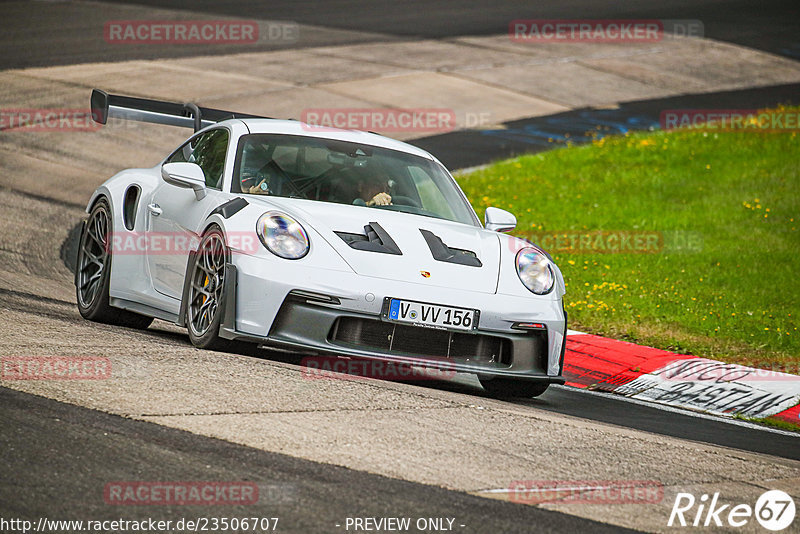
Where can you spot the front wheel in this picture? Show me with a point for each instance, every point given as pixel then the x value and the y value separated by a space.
pixel 205 294
pixel 93 273
pixel 509 388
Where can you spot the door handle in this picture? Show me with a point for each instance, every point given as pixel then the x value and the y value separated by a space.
pixel 155 209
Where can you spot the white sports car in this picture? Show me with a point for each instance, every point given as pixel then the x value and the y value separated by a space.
pixel 319 241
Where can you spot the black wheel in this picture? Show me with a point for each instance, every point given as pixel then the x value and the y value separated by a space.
pixel 205 295
pixel 93 273
pixel 508 388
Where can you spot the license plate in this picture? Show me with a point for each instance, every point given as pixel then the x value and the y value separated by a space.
pixel 432 315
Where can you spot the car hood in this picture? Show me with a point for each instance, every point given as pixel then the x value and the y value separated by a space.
pixel 416 263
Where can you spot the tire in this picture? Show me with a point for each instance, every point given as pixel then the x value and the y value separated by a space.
pixel 93 273
pixel 509 388
pixel 205 292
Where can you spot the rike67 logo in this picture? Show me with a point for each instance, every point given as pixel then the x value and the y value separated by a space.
pixel 774 510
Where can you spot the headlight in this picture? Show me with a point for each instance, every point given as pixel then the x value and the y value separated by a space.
pixel 535 270
pixel 282 235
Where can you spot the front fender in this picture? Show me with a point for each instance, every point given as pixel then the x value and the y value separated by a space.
pixel 101 191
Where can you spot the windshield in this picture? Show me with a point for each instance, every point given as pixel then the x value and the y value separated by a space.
pixel 329 170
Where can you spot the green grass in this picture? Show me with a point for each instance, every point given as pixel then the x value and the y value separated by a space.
pixel 770 422
pixel 732 294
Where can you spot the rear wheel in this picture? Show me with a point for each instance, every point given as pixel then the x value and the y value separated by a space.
pixel 508 388
pixel 93 273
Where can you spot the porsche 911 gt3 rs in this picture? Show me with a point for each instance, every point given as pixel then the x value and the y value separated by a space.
pixel 319 241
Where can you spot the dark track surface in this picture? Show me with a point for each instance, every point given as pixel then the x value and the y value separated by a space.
pixel 41 33
pixel 468 148
pixel 772 25
pixel 64 478
pixel 649 418
pixel 716 431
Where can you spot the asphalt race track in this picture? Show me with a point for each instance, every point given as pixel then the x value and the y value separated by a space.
pixel 40 477
pixel 324 450
pixel 49 36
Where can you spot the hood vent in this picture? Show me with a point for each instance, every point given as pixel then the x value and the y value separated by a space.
pixel 374 239
pixel 442 252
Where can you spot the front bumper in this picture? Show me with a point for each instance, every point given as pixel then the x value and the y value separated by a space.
pixel 283 312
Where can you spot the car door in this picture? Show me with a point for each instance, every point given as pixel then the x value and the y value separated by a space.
pixel 175 214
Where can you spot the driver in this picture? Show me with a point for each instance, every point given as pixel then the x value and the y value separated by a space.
pixel 253 185
pixel 373 191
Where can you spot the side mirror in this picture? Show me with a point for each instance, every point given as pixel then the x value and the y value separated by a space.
pixel 499 220
pixel 187 175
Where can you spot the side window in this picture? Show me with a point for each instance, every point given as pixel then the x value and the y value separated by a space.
pixel 208 151
pixel 182 154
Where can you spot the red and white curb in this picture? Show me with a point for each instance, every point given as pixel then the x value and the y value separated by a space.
pixel 679 380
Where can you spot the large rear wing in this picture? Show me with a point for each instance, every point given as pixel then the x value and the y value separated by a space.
pixel 188 115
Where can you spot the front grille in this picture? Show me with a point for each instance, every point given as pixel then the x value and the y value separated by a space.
pixel 419 341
